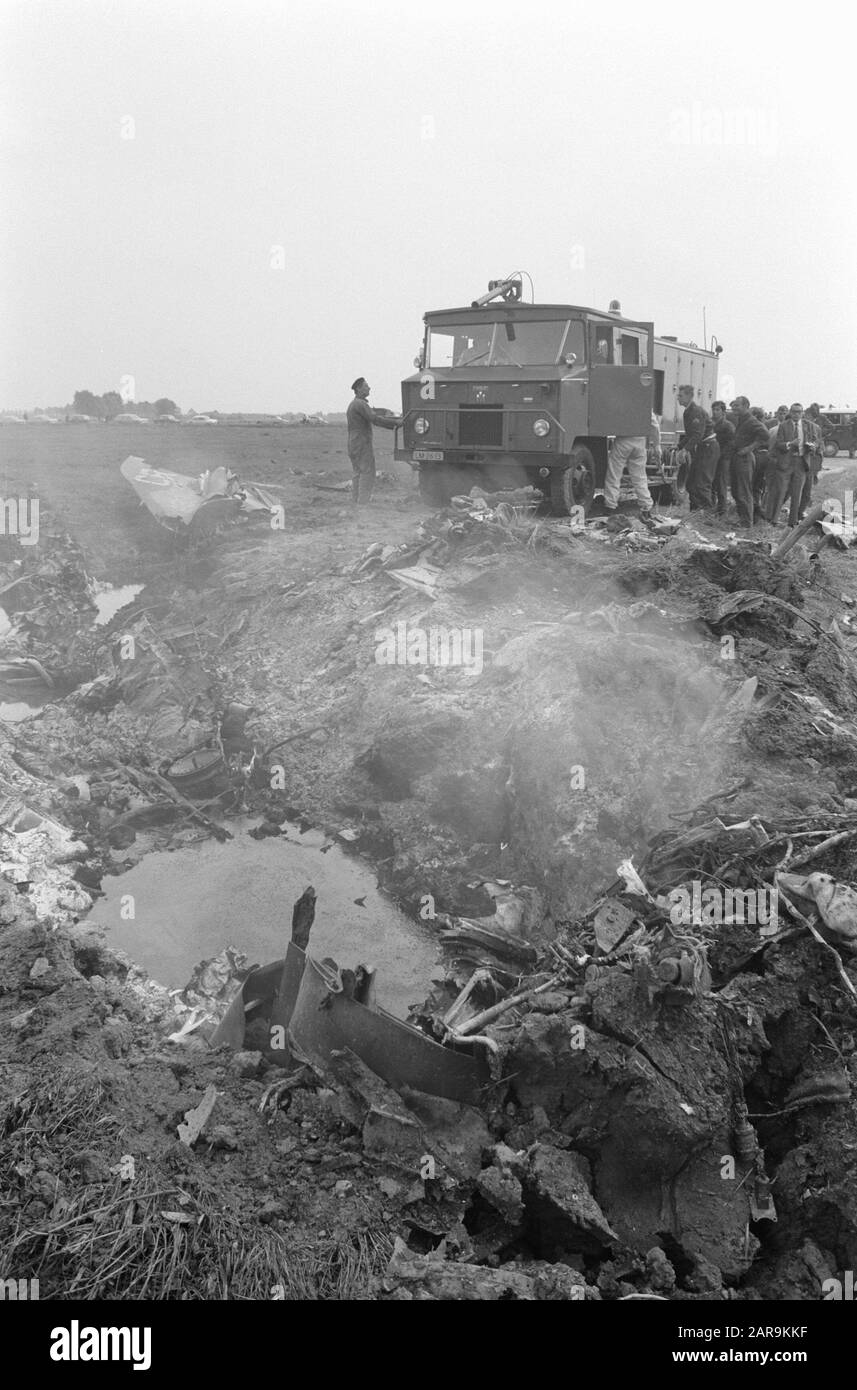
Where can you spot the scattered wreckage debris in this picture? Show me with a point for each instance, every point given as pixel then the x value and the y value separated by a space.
pixel 47 619
pixel 620 1053
pixel 472 529
pixel 473 526
pixel 201 774
pixel 637 999
pixel 836 902
pixel 150 781
pixel 24 678
pixel 197 506
pixel 499 942
pixel 196 1119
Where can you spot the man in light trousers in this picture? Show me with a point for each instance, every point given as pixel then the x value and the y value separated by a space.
pixel 628 451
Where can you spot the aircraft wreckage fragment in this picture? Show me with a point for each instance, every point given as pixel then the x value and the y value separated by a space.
pixel 310 1009
pixel 199 505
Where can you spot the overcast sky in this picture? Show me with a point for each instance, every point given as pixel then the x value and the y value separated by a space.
pixel 245 205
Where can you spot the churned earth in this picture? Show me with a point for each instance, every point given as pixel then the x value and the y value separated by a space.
pixel 609 690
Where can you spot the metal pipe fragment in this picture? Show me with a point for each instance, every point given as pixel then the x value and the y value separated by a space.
pixel 488 1015
pixel 813 515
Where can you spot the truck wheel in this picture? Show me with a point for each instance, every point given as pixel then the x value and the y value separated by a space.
pixel 663 494
pixel 436 485
pixel 573 486
pixel 831 448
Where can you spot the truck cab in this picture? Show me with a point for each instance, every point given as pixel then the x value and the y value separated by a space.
pixel 509 394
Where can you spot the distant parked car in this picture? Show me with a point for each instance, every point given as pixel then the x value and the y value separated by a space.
pixel 43 420
pixel 167 420
pixel 839 432
pixel 201 420
pixel 77 419
pixel 12 420
pixel 127 419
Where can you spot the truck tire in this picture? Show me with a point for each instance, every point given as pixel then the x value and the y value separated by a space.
pixel 437 485
pixel 573 486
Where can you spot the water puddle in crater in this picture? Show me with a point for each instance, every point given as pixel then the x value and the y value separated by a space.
pixel 108 600
pixel 13 711
pixel 190 903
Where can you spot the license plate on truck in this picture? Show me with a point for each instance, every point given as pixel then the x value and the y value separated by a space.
pixel 429 455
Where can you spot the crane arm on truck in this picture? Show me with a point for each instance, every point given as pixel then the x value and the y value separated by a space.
pixel 510 290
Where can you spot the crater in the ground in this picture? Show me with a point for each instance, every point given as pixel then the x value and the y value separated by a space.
pixel 176 908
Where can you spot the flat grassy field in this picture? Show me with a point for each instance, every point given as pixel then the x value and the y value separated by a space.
pixel 75 469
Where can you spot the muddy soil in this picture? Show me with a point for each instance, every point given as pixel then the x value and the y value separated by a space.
pixel 613 695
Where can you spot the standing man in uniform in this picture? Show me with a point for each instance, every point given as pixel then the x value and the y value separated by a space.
pixel 361 417
pixel 760 467
pixel 699 443
pixel 750 434
pixel 725 433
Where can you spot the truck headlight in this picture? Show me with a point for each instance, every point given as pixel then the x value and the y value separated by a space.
pixel 421 425
pixel 541 428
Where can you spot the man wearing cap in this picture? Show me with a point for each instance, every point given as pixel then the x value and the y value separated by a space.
pixel 360 418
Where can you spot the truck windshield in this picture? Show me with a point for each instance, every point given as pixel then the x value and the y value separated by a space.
pixel 508 343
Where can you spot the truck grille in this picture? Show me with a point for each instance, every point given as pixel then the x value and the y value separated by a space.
pixel 481 424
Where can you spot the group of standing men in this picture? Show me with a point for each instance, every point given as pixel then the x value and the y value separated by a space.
pixel 764 466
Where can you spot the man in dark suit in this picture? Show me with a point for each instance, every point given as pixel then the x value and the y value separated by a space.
pixel 702 451
pixel 772 467
pixel 799 453
pixel 816 461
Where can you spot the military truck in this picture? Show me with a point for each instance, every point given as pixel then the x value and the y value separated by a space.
pixel 508 394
